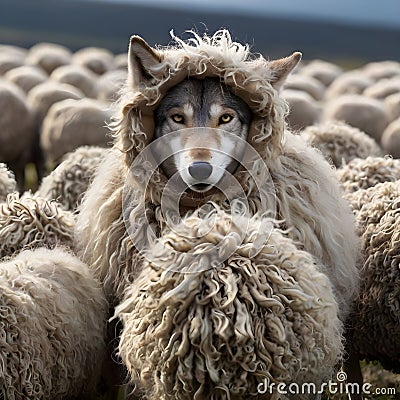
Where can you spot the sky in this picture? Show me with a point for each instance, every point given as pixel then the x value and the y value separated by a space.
pixel 375 12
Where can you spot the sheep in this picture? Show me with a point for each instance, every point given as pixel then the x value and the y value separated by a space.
pixel 48 56
pixel 95 59
pixel 73 123
pixel 78 76
pixel 44 95
pixel 51 327
pixel 17 129
pixel 70 180
pixel 323 71
pixel 304 110
pixel 392 106
pixel 340 143
pixel 351 82
pixel 365 173
pixel 10 49
pixel 306 84
pixel 296 184
pixel 26 77
pixel 382 70
pixel 375 333
pixel 360 111
pixel 7 182
pixel 28 222
pixel 223 330
pixel 109 85
pixel 9 61
pixel 391 138
pixel 383 88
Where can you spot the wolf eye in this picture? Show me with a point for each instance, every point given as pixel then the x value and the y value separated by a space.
pixel 224 119
pixel 178 118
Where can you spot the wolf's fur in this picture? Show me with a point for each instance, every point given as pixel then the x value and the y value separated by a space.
pixel 307 194
pixel 201 103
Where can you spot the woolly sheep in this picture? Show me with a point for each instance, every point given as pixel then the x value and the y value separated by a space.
pixel 109 85
pixel 392 106
pixel 73 123
pixel 10 49
pixel 44 95
pixel 96 59
pixel 78 76
pixel 382 70
pixel 366 173
pixel 17 129
pixel 362 112
pixel 48 56
pixel 7 182
pixel 351 82
pixel 306 84
pixel 391 138
pixel 340 143
pixel 323 71
pixel 304 110
pixel 10 61
pixel 383 88
pixel 374 323
pixel 29 222
pixel 223 331
pixel 51 327
pixel 26 77
pixel 70 180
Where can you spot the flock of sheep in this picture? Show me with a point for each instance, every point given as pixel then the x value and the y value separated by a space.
pixel 54 109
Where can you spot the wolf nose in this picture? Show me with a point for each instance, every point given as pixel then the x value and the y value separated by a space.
pixel 200 170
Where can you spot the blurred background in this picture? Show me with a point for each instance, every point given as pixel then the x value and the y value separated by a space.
pixel 343 31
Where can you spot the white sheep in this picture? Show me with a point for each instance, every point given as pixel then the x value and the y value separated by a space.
pixel 26 77
pixel 390 140
pixel 366 173
pixel 96 59
pixel 44 95
pixel 383 88
pixel 324 71
pixel 392 106
pixel 48 56
pixel 78 76
pixel 382 70
pixel 70 124
pixel 306 84
pixel 360 111
pixel 28 222
pixel 69 181
pixel 340 143
pixel 351 82
pixel 51 327
pixel 304 110
pixel 17 129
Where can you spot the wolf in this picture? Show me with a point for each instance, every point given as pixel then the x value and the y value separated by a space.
pixel 201 156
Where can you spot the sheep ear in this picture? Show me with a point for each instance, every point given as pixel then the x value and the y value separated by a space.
pixel 141 59
pixel 280 69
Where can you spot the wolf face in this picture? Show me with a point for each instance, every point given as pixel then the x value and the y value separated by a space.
pixel 202 156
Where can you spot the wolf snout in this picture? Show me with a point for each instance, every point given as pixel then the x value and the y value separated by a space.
pixel 200 170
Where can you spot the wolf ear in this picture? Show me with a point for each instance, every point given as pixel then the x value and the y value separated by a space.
pixel 281 68
pixel 141 59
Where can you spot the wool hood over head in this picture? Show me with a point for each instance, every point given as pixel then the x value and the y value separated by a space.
pixel 153 71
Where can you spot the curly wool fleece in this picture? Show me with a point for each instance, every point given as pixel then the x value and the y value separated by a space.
pixel 219 333
pixel 51 327
pixel 308 198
